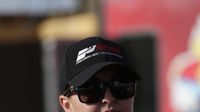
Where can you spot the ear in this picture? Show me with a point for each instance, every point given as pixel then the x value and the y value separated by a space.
pixel 64 102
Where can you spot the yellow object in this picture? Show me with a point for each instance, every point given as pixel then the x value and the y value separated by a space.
pixel 75 27
pixel 195 47
pixel 194 42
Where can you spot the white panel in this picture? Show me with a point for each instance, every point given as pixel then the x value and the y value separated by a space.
pixel 8 7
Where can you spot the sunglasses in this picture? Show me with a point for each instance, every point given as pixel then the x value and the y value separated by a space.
pixel 93 92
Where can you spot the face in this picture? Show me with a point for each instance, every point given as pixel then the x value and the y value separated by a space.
pixel 108 103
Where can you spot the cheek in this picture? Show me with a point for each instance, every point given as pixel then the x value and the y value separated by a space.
pixel 127 105
pixel 77 106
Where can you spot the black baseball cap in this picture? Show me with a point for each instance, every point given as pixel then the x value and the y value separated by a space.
pixel 85 58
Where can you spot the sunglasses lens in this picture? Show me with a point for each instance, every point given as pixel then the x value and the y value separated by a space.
pixel 90 94
pixel 121 90
pixel 94 92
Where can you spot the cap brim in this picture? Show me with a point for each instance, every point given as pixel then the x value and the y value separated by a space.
pixel 81 78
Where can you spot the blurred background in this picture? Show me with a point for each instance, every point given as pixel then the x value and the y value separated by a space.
pixel 162 39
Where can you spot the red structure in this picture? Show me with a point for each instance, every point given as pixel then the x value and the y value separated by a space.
pixel 172 22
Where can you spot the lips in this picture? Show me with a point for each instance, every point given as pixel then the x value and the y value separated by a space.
pixel 111 111
pixel 108 111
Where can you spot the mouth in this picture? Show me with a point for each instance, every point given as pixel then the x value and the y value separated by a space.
pixel 111 111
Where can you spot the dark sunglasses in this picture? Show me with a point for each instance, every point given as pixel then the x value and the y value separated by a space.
pixel 93 92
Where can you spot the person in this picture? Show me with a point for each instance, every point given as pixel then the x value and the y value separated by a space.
pixel 98 77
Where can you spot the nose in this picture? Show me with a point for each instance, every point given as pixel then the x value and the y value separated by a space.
pixel 108 97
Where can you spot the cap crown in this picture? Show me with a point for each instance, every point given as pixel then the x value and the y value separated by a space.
pixel 91 51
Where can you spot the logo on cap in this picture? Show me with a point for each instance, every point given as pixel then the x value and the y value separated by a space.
pixel 82 54
pixel 101 50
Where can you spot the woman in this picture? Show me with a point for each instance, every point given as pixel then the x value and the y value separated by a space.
pixel 98 78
